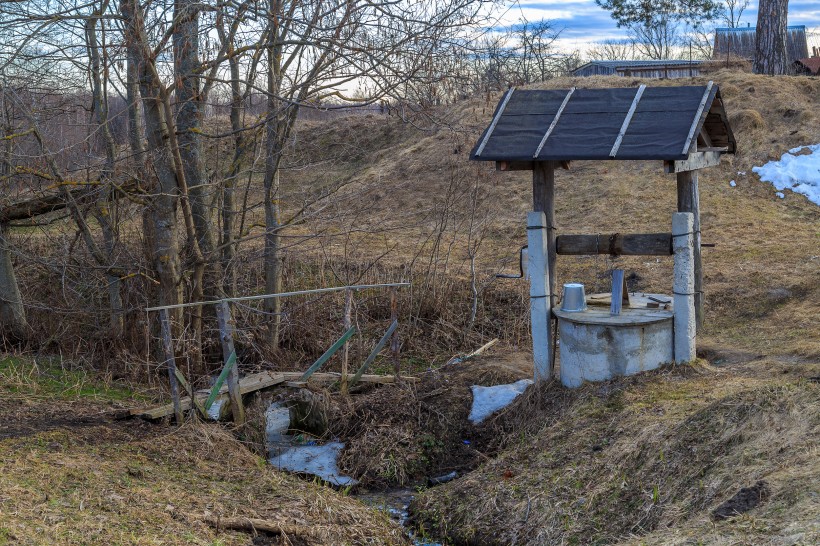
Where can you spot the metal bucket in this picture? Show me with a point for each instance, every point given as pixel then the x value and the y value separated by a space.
pixel 574 298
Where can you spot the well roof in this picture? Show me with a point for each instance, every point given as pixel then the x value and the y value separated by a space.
pixel 621 123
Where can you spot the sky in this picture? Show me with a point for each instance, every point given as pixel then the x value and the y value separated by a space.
pixel 583 22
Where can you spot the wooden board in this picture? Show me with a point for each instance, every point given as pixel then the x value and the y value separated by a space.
pixel 637 300
pixel 616 244
pixel 259 381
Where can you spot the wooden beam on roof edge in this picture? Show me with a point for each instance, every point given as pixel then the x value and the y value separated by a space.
pixel 695 161
pixel 497 117
pixel 526 165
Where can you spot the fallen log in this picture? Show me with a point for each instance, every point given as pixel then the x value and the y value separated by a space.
pixel 48 203
pixel 254 525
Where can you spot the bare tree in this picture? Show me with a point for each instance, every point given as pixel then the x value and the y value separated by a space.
pixel 613 50
pixel 733 11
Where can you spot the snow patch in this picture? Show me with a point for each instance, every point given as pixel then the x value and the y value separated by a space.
pixel 319 461
pixel 732 183
pixel 798 173
pixel 780 194
pixel 488 400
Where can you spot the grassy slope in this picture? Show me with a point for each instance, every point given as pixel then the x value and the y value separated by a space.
pixel 760 280
pixel 71 473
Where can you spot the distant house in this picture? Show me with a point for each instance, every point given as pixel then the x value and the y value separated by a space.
pixel 740 42
pixel 665 68
pixel 810 66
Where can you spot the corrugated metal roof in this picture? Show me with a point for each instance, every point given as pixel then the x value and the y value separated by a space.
pixel 753 29
pixel 661 62
pixel 563 125
pixel 812 64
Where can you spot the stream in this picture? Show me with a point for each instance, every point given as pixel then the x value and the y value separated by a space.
pixel 302 455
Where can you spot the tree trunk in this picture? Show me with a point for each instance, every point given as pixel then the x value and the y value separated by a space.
pixel 189 114
pixel 12 313
pixel 103 206
pixel 273 156
pixel 165 198
pixel 770 38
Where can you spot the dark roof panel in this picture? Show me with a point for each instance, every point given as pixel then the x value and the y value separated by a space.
pixel 592 119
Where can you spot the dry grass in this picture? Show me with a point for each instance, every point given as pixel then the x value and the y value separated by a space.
pixel 649 458
pixel 83 477
pixel 402 434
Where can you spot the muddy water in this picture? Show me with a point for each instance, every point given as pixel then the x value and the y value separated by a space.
pixel 396 502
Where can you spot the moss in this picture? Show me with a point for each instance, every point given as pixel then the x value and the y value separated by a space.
pixel 51 378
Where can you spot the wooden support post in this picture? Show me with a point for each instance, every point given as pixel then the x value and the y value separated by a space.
pixel 394 340
pixel 375 352
pixel 223 318
pixel 539 296
pixel 170 362
pixel 346 348
pixel 689 201
pixel 543 200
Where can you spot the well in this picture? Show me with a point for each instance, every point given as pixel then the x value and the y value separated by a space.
pixel 686 128
pixel 596 346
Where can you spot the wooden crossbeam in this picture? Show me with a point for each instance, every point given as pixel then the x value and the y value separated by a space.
pixel 695 161
pixel 525 165
pixel 616 244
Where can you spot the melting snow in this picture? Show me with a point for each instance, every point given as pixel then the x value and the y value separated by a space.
pixel 798 173
pixel 317 460
pixel 488 400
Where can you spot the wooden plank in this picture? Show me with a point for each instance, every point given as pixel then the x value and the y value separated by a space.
pixel 698 115
pixel 394 341
pixel 346 346
pixel 170 361
pixel 696 160
pixel 229 366
pixel 554 123
pixel 689 201
pixel 187 386
pixel 223 318
pixel 514 165
pixel 627 119
pixel 375 352
pixel 497 117
pixel 259 381
pixel 543 200
pixel 326 356
pixel 616 244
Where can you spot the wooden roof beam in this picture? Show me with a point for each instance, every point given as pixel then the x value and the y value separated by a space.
pixel 526 165
pixel 695 161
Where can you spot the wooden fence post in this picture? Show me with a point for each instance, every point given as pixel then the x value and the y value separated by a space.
pixel 394 340
pixel 170 361
pixel 223 318
pixel 689 201
pixel 346 348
